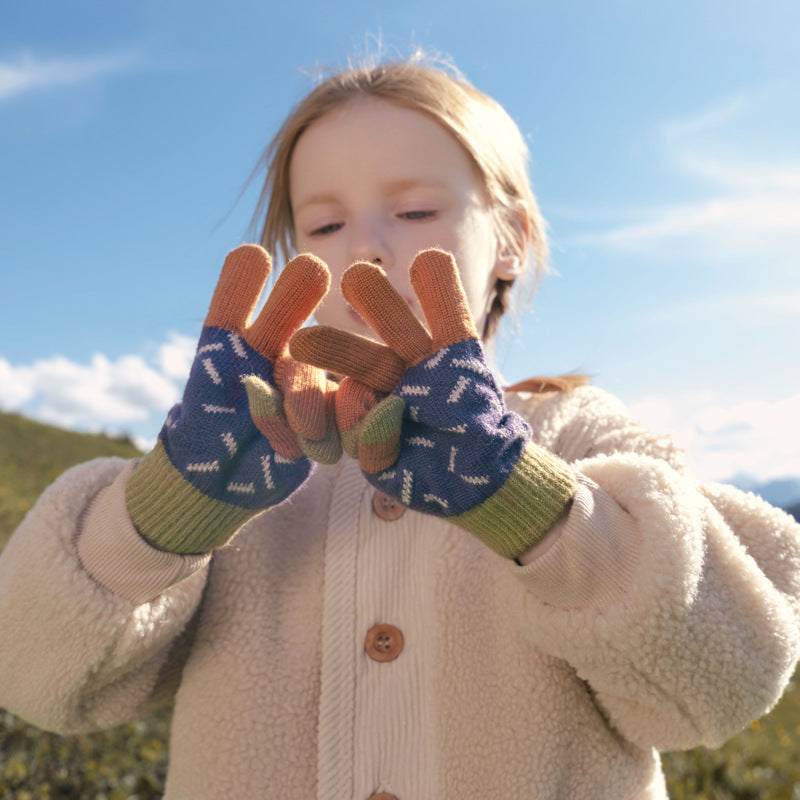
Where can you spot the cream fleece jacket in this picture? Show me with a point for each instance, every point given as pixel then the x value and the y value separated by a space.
pixel 661 614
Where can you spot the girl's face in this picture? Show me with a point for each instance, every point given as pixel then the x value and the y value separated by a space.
pixel 373 181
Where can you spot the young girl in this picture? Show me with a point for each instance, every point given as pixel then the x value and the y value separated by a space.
pixel 524 596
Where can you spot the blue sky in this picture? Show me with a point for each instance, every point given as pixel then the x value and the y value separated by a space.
pixel 665 158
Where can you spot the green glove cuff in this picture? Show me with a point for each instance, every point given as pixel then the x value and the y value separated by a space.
pixel 526 506
pixel 172 515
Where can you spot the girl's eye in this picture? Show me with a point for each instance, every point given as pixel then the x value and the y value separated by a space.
pixel 417 215
pixel 324 230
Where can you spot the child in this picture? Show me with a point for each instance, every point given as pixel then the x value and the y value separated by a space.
pixel 474 602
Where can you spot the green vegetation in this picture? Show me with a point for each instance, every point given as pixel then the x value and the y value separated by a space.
pixel 33 455
pixel 125 763
pixel 129 762
pixel 761 763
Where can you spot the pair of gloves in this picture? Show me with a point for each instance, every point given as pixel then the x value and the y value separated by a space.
pixel 422 413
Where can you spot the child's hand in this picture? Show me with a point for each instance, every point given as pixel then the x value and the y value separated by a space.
pixel 235 444
pixel 443 442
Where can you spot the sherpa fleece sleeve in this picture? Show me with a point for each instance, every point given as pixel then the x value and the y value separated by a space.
pixel 94 621
pixel 676 602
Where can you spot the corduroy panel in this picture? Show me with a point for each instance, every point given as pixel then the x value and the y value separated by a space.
pixel 396 747
pixel 593 560
pixel 339 647
pixel 113 552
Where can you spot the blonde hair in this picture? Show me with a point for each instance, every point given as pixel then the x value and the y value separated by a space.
pixel 481 125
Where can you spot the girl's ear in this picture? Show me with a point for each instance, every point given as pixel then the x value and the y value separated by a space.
pixel 512 255
pixel 508 266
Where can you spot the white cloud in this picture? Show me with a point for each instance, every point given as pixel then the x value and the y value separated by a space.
pixel 746 227
pixel 129 394
pixel 709 119
pixel 29 73
pixel 758 438
pixel 751 201
pixel 132 394
pixel 16 385
pixel 751 309
pixel 732 172
pixel 175 356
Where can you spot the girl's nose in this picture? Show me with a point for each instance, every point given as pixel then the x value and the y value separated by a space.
pixel 368 243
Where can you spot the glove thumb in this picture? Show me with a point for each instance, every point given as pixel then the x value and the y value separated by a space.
pixel 379 435
pixel 326 449
pixel 266 409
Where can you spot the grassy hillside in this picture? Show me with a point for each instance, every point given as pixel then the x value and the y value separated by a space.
pixel 33 455
pixel 125 763
pixel 129 762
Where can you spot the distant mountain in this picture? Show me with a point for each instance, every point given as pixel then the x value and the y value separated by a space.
pixel 784 493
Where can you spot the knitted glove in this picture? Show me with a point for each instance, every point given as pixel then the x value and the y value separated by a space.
pixel 219 460
pixel 443 441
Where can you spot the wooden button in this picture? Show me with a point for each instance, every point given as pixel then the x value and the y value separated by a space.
pixel 382 796
pixel 387 507
pixel 384 642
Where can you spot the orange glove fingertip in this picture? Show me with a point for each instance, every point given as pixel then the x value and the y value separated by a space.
pixel 436 282
pixel 241 281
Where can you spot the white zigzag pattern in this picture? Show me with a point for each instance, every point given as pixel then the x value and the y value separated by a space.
pixel 421 441
pixel 452 466
pixel 212 371
pixel 456 429
pixel 387 476
pixel 242 488
pixel 207 348
pixel 416 390
pixel 472 366
pixel 408 483
pixel 432 498
pixel 413 412
pixel 236 344
pixel 497 405
pixel 267 472
pixel 204 466
pixel 279 459
pixel 511 434
pixel 218 409
pixel 229 442
pixel 433 361
pixel 458 390
pixel 480 480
